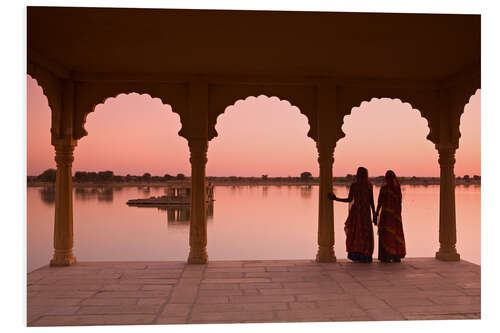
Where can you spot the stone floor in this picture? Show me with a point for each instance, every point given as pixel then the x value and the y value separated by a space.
pixel 121 293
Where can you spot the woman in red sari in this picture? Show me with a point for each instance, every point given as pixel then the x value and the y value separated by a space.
pixel 358 226
pixel 391 239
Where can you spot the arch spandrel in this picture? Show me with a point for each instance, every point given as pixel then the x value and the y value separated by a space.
pixel 462 96
pixel 52 88
pixel 426 102
pixel 221 97
pixel 89 95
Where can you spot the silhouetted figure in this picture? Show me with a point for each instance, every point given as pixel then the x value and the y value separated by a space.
pixel 358 226
pixel 391 240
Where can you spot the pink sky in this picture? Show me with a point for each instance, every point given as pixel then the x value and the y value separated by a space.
pixel 134 134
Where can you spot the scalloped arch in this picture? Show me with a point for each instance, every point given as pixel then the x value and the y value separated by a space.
pixel 392 99
pixel 223 97
pixel 424 103
pixel 241 100
pixel 90 96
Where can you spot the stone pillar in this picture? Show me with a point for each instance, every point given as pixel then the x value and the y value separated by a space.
pixel 63 221
pixel 326 236
pixel 447 219
pixel 198 226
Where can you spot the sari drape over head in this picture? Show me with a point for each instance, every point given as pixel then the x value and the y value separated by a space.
pixel 390 228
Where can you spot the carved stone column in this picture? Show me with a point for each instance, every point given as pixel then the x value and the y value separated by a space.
pixel 198 225
pixel 447 219
pixel 63 221
pixel 326 236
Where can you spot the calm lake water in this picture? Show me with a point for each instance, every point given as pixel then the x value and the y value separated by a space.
pixel 245 222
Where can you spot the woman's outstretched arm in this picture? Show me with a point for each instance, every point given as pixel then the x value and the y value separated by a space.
pixel 349 198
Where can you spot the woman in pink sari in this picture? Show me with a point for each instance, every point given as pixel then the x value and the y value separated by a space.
pixel 391 239
pixel 358 226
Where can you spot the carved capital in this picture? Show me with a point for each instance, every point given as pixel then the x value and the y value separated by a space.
pixel 446 156
pixel 198 151
pixel 64 154
pixel 325 154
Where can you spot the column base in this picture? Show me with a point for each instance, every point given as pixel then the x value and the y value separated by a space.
pixel 448 255
pixel 197 256
pixel 63 258
pixel 326 254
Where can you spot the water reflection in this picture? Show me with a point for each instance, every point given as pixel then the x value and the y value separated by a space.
pixel 181 215
pixel 306 191
pixel 105 194
pixel 102 194
pixel 48 195
pixel 177 215
pixel 268 214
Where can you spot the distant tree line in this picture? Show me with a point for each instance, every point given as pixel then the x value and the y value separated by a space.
pixel 468 178
pixel 109 176
pixel 49 175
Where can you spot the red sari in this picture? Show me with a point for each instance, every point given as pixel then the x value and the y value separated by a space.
pixel 358 226
pixel 390 228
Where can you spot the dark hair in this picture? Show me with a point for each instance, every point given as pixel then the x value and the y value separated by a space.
pixel 362 175
pixel 391 179
pixel 390 175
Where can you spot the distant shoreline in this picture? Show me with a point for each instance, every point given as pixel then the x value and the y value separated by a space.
pixel 255 182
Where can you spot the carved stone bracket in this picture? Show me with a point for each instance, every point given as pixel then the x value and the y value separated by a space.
pixel 52 87
pixel 459 96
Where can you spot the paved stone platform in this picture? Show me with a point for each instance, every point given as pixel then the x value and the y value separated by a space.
pixel 125 293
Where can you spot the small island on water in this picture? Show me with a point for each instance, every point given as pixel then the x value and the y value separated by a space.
pixel 108 178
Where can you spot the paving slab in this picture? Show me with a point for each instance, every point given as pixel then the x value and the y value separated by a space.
pixel 163 293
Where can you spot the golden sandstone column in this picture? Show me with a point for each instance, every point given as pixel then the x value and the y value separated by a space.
pixel 198 225
pixel 326 239
pixel 63 222
pixel 447 220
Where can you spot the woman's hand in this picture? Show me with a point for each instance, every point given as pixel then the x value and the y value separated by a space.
pixel 331 196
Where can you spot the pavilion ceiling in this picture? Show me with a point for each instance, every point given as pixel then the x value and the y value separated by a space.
pixel 207 42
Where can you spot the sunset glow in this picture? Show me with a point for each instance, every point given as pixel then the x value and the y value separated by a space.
pixel 134 134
